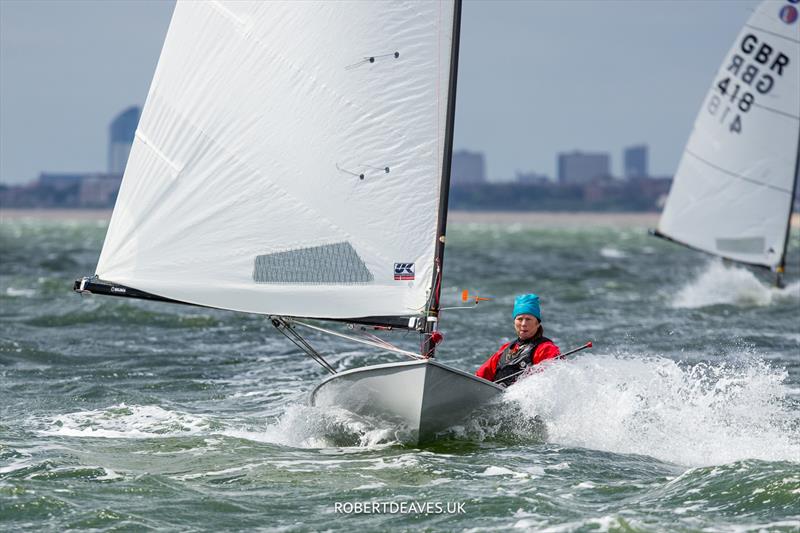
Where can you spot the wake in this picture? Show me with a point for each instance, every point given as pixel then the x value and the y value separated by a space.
pixel 731 285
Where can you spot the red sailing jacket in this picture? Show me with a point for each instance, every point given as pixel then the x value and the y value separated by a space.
pixel 546 350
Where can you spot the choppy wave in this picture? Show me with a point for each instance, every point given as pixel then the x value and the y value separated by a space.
pixel 127 421
pixel 732 285
pixel 52 471
pixel 701 414
pixel 765 493
pixel 302 426
pixel 107 312
pixel 23 293
pixel 299 426
pixel 609 252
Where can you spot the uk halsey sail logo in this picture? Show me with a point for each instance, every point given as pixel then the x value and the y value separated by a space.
pixel 403 271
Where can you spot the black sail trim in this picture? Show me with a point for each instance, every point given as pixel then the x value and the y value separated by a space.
pixel 656 233
pixel 98 286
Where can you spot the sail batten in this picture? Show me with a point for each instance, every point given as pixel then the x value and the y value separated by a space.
pixel 288 159
pixel 737 175
pixel 733 191
pixel 778 112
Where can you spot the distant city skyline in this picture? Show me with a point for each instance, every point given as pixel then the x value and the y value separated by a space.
pixel 535 79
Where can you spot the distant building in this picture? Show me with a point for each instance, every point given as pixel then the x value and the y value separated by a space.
pixel 51 189
pixel 87 189
pixel 121 134
pixel 635 161
pixel 532 178
pixel 59 181
pixel 99 190
pixel 579 167
pixel 468 167
pixel 656 187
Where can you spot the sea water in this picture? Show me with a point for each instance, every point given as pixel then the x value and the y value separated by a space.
pixel 118 414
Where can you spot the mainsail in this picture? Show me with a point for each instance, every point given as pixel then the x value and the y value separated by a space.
pixel 289 159
pixel 732 194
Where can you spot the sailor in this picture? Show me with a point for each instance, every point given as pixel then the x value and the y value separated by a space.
pixel 531 347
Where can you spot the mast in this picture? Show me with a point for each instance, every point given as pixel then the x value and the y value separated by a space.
pixel 782 265
pixel 432 315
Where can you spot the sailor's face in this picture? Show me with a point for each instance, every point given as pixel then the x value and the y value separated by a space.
pixel 526 326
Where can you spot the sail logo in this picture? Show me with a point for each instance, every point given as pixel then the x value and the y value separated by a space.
pixel 788 14
pixel 403 271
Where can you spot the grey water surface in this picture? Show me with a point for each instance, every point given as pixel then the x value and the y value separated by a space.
pixel 125 415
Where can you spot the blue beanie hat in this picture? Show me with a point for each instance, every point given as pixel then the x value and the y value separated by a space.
pixel 527 304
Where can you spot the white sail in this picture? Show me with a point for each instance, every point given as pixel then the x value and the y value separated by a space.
pixel 732 193
pixel 288 159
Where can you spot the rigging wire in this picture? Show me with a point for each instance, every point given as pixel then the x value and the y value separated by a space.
pixel 289 332
pixel 380 343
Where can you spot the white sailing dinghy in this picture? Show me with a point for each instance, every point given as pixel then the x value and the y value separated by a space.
pixel 733 192
pixel 293 160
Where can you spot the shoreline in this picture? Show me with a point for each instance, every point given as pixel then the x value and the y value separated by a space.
pixel 525 218
pixel 53 214
pixel 569 219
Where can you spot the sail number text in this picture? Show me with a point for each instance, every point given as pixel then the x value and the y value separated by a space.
pixel 752 70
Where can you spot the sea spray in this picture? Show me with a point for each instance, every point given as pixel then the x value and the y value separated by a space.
pixel 699 414
pixel 725 284
pixel 304 426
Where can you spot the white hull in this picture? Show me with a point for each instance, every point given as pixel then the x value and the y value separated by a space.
pixel 421 397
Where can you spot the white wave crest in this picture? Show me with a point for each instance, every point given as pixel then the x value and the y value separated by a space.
pixel 25 293
pixel 123 421
pixel 302 426
pixel 298 426
pixel 732 285
pixel 610 252
pixel 702 414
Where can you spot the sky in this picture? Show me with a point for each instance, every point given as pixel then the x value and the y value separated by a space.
pixel 536 78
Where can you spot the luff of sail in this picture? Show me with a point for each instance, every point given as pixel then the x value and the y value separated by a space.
pixel 288 159
pixel 732 194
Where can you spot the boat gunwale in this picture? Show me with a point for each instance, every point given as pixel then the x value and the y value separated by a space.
pixel 462 373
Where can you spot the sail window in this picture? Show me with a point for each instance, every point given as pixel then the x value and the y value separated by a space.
pixel 744 245
pixel 336 263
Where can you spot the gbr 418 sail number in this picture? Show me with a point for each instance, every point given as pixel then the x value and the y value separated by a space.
pixel 752 70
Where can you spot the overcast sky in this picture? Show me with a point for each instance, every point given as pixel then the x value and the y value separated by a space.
pixel 536 78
